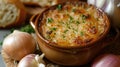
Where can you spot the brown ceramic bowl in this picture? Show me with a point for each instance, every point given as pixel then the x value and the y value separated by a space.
pixel 70 55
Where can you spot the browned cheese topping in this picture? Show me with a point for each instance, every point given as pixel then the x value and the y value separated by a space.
pixel 73 24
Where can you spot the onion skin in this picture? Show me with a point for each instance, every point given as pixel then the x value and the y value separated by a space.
pixel 111 7
pixel 19 44
pixel 106 60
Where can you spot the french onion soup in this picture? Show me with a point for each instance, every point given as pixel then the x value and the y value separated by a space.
pixel 73 24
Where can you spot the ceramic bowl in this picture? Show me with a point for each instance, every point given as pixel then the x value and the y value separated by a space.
pixel 73 55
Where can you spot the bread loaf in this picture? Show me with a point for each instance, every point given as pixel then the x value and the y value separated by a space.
pixel 44 3
pixel 12 13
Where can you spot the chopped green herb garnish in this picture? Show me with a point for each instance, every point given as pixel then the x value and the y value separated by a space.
pixel 49 20
pixel 84 17
pixel 71 18
pixel 59 7
pixel 65 31
pixel 71 21
pixel 53 29
pixel 27 28
pixel 81 33
pixel 83 21
pixel 74 30
pixel 77 22
pixel 73 10
pixel 68 26
pixel 63 36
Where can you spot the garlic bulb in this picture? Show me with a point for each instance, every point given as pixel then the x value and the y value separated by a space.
pixel 32 60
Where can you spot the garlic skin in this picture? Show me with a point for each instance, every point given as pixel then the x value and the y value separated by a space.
pixel 32 60
pixel 41 65
pixel 19 44
pixel 39 59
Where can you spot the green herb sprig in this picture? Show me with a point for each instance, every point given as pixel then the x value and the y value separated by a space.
pixel 59 7
pixel 53 29
pixel 49 20
pixel 1 42
pixel 27 28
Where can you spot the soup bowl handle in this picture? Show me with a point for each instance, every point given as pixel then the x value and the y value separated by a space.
pixel 33 19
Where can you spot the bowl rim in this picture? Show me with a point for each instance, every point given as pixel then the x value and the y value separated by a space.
pixel 40 16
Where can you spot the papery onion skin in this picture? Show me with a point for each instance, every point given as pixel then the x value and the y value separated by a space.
pixel 19 44
pixel 106 60
pixel 111 7
pixel 28 61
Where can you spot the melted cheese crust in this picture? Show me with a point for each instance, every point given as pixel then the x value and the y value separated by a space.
pixel 73 24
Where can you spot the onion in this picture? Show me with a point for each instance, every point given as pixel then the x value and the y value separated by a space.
pixel 32 60
pixel 106 60
pixel 111 7
pixel 18 44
